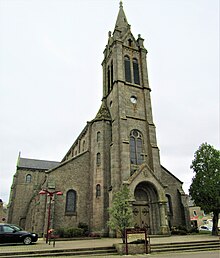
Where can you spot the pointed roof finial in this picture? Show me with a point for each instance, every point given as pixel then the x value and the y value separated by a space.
pixel 121 4
pixel 121 22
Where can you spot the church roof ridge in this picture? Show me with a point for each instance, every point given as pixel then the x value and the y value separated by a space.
pixel 36 163
pixel 83 132
pixel 171 174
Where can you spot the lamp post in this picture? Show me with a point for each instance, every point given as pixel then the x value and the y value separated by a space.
pixel 50 194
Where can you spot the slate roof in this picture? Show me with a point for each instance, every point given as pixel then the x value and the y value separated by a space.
pixel 36 164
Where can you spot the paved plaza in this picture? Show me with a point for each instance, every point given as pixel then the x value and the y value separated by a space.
pixel 104 242
pixel 203 254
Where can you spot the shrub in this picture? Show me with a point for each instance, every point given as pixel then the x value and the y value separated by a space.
pixel 194 230
pixel 77 232
pixel 59 232
pixel 93 234
pixel 180 230
pixel 69 232
pixel 84 227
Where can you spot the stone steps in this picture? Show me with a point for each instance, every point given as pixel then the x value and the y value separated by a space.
pixel 106 251
pixel 61 252
pixel 186 246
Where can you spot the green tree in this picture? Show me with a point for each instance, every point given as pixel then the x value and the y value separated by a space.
pixel 121 212
pixel 205 187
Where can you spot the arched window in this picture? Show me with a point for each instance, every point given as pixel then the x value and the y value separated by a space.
pixel 127 69
pixel 136 71
pixel 84 144
pixel 71 201
pixel 98 159
pixel 98 190
pixel 169 205
pixel 98 136
pixel 111 75
pixel 136 147
pixel 28 178
pixel 109 79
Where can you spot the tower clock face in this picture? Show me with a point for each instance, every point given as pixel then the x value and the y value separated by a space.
pixel 133 99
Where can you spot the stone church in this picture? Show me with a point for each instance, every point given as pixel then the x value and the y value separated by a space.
pixel 117 147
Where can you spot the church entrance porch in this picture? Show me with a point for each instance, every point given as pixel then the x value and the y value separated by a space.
pixel 148 211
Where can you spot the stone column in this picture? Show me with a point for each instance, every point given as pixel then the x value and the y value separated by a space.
pixel 164 229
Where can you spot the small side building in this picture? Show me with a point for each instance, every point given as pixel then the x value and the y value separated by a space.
pixel 197 216
pixel 27 181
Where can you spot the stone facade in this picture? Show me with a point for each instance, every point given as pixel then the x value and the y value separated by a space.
pixel 117 147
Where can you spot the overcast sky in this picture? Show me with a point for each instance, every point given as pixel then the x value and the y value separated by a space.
pixel 51 75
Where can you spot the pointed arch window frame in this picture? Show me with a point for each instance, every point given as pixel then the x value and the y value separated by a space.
pixel 169 205
pixel 112 76
pixel 108 79
pixel 127 69
pixel 136 74
pixel 136 147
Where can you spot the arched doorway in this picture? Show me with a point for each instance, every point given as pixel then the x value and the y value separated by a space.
pixel 146 207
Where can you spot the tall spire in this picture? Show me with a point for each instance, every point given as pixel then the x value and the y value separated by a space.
pixel 121 23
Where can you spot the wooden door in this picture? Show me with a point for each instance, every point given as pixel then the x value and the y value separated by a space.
pixel 141 216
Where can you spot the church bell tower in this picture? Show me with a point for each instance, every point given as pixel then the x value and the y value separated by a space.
pixel 126 92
